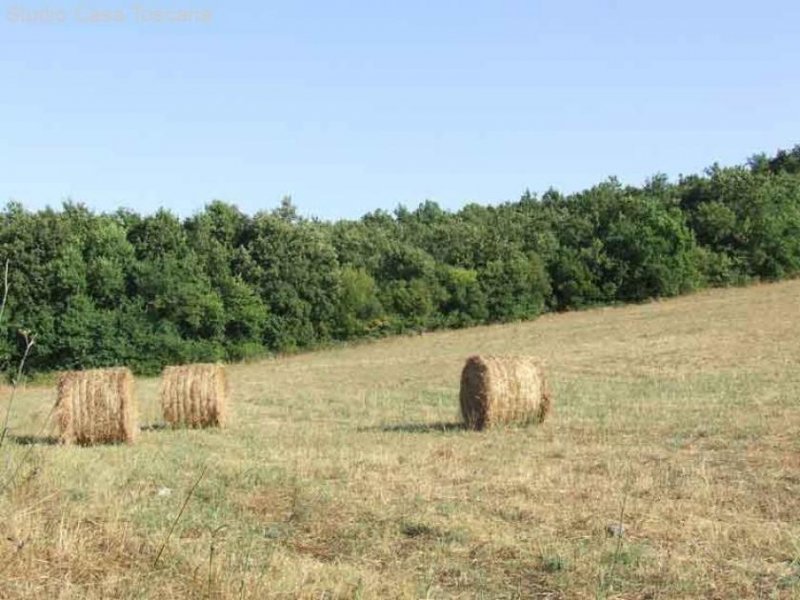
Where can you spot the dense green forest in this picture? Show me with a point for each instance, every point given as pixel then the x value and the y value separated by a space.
pixel 145 291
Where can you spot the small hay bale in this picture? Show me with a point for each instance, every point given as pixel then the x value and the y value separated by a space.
pixel 97 407
pixel 503 389
pixel 195 395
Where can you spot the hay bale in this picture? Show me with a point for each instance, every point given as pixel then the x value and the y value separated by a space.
pixel 195 395
pixel 97 407
pixel 503 389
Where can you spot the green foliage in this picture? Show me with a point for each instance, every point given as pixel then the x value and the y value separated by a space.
pixel 463 301
pixel 358 307
pixel 571 279
pixel 751 216
pixel 516 287
pixel 410 302
pixel 651 250
pixel 145 291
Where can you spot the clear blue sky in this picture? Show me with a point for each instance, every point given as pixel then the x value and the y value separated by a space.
pixel 353 106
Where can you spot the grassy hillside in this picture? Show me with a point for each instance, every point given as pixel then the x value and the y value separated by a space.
pixel 342 474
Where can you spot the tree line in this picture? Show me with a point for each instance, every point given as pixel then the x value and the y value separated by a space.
pixel 150 290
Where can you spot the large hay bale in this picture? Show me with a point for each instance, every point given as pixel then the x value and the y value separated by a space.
pixel 97 407
pixel 195 395
pixel 503 389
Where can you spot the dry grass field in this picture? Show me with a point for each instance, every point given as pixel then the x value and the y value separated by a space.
pixel 343 473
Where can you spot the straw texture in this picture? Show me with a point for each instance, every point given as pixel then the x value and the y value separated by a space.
pixel 503 389
pixel 97 407
pixel 195 395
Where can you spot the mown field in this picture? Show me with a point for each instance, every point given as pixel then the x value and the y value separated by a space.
pixel 344 475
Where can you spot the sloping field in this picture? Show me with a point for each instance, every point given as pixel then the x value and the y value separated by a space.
pixel 342 474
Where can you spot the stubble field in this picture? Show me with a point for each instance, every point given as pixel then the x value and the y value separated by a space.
pixel 343 473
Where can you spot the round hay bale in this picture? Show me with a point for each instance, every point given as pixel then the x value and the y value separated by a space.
pixel 97 407
pixel 195 395
pixel 503 389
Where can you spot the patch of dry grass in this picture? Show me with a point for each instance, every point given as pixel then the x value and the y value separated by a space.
pixel 344 474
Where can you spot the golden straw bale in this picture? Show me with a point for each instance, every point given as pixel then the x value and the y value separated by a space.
pixel 97 406
pixel 503 389
pixel 195 395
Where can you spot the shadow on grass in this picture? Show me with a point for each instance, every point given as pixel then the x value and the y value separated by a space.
pixel 178 427
pixel 31 440
pixel 154 427
pixel 417 427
